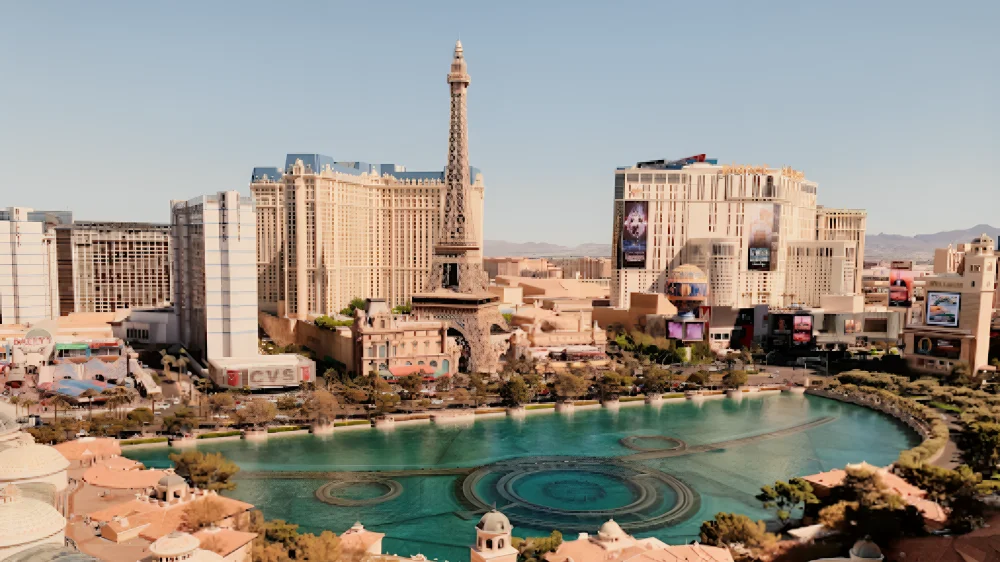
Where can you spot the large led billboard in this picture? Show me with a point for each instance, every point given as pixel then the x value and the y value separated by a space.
pixel 900 288
pixel 942 309
pixel 635 227
pixel 762 226
pixel 694 331
pixel 802 330
pixel 947 348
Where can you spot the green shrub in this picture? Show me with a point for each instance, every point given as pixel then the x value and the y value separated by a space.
pixel 351 422
pixel 218 434
pixel 284 428
pixel 143 441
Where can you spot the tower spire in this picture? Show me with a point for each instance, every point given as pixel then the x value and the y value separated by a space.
pixel 458 235
pixel 457 285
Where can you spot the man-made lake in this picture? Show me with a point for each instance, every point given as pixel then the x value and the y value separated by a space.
pixel 547 470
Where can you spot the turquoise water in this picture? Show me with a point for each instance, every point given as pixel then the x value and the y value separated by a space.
pixel 430 518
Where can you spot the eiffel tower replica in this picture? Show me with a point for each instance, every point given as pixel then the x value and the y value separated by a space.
pixel 456 289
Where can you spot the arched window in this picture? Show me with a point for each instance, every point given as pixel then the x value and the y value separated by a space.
pixel 500 543
pixel 489 544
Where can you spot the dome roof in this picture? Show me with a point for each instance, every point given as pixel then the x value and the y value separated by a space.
pixel 610 530
pixel 50 553
pixel 171 480
pixel 30 461
pixel 687 272
pixel 494 522
pixel 24 520
pixel 174 544
pixel 865 549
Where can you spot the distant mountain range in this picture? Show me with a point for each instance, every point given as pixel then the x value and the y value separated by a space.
pixel 500 248
pixel 921 247
pixel 877 246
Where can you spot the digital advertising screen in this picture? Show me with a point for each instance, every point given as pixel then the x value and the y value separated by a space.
pixel 675 330
pixel 762 228
pixel 635 227
pixel 942 309
pixel 782 324
pixel 851 326
pixel 802 329
pixel 900 288
pixel 694 331
pixel 803 323
pixel 947 348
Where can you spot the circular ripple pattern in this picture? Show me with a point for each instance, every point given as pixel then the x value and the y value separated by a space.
pixel 652 443
pixel 652 498
pixel 573 491
pixel 327 493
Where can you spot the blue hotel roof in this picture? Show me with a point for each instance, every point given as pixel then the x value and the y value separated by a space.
pixel 318 162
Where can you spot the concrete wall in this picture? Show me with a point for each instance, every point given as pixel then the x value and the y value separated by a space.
pixel 325 343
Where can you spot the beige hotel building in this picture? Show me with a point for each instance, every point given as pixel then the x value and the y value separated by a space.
pixel 331 231
pixel 755 230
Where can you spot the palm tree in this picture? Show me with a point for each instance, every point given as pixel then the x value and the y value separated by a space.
pixel 28 403
pixel 89 394
pixel 56 401
pixel 167 361
pixel 203 385
pixel 15 400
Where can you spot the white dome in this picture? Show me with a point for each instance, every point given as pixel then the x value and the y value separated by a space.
pixel 174 544
pixel 494 522
pixel 24 520
pixel 30 461
pixel 611 530
pixel 171 479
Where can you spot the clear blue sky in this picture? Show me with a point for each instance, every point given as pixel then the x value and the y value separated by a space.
pixel 111 109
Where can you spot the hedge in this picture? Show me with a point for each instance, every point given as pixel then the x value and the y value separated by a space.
pixel 284 428
pixel 351 422
pixel 219 434
pixel 631 398
pixel 143 441
pixel 540 407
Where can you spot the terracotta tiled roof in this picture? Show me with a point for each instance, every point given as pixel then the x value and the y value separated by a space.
pixel 89 447
pixel 106 477
pixel 932 512
pixel 161 520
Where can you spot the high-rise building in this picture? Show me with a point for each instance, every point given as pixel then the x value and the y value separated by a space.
pixel 215 274
pixel 268 192
pixel 25 281
pixel 108 266
pixel 457 286
pixel 333 231
pixel 756 231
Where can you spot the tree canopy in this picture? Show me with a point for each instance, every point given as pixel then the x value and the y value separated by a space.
pixel 209 471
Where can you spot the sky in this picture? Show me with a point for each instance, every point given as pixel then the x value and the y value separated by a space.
pixel 112 109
